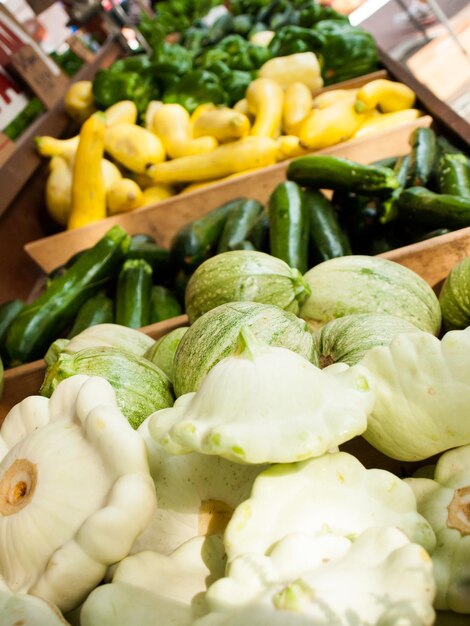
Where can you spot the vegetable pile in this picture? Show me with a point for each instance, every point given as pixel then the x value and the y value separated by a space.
pixel 121 279
pixel 373 209
pixel 212 490
pixel 216 63
pixel 277 118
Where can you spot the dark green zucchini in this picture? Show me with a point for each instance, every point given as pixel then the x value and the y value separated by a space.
pixel 327 239
pixel 98 309
pixel 358 217
pixel 421 206
pixel 259 233
pixel 157 257
pixel 141 238
pixel 389 209
pixel 423 156
pixel 8 311
pixel 163 304
pixel 195 242
pixel 133 294
pixel 238 224
pixel 40 322
pixel 243 245
pixel 454 175
pixel 434 233
pixel 288 225
pixel 327 172
pixel 389 162
pixel 60 271
pixel 179 286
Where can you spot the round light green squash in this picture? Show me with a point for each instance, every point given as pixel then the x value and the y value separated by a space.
pixel 346 339
pixel 244 275
pixel 215 335
pixel 366 284
pixel 162 353
pixel 455 297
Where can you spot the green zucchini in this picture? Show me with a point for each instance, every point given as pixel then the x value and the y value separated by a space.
pixel 434 233
pixel 243 275
pixel 133 294
pixel 454 175
pixel 238 224
pixel 242 245
pixel 327 172
pixel 96 310
pixel 288 226
pixel 359 219
pixel 39 323
pixel 422 156
pixel 179 286
pixel 141 238
pixel 163 304
pixel 421 206
pixel 259 233
pixel 8 311
pixel 60 271
pixel 326 236
pixel 387 162
pixel 389 209
pixel 157 257
pixel 196 241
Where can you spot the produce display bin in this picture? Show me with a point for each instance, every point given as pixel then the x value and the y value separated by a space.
pixel 431 259
pixel 164 219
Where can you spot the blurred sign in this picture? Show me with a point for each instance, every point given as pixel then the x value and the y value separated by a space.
pixel 21 53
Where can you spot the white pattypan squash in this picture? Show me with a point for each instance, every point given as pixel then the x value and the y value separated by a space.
pixel 381 580
pixel 21 609
pixel 422 394
pixel 331 494
pixel 266 405
pixel 75 491
pixel 196 495
pixel 445 502
pixel 150 588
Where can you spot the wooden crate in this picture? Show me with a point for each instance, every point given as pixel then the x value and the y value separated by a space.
pixel 164 219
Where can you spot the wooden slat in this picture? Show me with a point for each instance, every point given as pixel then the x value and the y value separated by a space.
pixel 164 219
pixel 434 258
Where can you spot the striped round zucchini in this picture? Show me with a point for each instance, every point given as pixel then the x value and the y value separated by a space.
pixel 455 297
pixel 215 336
pixel 162 353
pixel 366 284
pixel 243 275
pixel 348 338
pixel 141 387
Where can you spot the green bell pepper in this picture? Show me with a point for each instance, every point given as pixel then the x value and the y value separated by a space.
pixel 110 87
pixel 195 88
pixel 314 13
pixel 175 55
pixel 236 53
pixel 292 39
pixel 346 51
